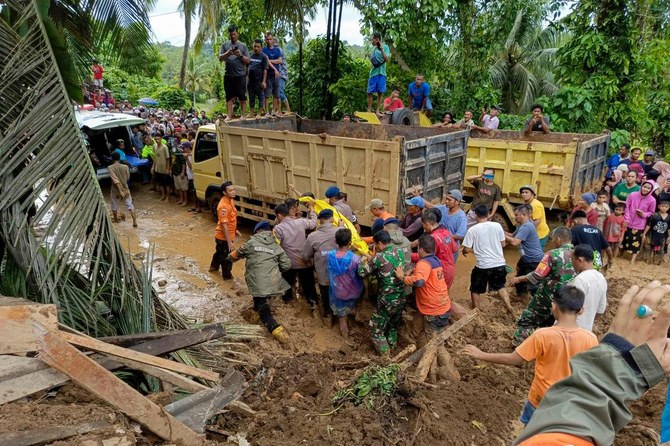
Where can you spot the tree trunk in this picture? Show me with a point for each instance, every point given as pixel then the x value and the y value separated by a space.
pixel 398 58
pixel 187 42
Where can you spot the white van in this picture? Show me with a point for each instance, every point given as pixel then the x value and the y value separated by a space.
pixel 100 131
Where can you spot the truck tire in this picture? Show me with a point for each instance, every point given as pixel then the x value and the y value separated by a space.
pixel 504 222
pixel 213 202
pixel 403 116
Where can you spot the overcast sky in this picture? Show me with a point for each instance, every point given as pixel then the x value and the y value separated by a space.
pixel 168 25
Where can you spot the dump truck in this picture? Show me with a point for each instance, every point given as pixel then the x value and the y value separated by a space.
pixel 561 166
pixel 268 159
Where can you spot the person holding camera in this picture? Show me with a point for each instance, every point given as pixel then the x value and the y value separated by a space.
pixel 236 56
pixel 538 122
pixel 377 80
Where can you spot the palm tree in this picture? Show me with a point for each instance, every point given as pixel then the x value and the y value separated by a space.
pixel 196 79
pixel 524 65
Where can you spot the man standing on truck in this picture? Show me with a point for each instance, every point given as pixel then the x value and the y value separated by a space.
pixel 291 233
pixel 236 56
pixel 336 199
pixel 419 90
pixel 315 250
pixel 487 193
pixel 538 216
pixel 377 79
pixel 258 71
pixel 275 56
pixel 226 230
pixel 537 123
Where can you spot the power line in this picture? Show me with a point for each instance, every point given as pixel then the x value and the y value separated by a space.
pixel 165 13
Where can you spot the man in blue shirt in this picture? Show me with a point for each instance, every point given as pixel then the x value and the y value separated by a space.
pixel 452 216
pixel 377 79
pixel 419 90
pixel 526 238
pixel 276 57
pixel 618 158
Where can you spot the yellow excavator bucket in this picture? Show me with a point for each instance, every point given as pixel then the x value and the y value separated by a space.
pixel 369 117
pixel 424 121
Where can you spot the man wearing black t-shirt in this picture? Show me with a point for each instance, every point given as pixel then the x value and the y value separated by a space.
pixel 585 233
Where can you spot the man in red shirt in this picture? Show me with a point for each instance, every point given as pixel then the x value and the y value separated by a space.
pixel 445 245
pixel 393 102
pixel 97 74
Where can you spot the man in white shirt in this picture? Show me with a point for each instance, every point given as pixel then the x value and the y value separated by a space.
pixel 592 283
pixel 489 120
pixel 486 240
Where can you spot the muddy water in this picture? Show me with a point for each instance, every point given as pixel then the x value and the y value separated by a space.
pixel 184 244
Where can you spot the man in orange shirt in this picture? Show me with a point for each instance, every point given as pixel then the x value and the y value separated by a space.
pixel 380 214
pixel 550 347
pixel 226 230
pixel 432 295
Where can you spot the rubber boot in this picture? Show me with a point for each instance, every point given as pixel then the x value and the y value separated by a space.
pixel 280 334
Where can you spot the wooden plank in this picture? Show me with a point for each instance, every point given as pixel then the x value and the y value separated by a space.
pixel 439 339
pixel 56 352
pixel 109 349
pixel 16 316
pixel 49 434
pixel 177 339
pixel 162 374
pixel 195 410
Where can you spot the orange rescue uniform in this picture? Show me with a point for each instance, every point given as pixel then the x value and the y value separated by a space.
pixel 432 294
pixel 227 217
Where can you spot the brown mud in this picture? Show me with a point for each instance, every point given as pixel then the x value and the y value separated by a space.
pixel 293 387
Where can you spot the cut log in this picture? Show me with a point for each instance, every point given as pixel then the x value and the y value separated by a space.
pixel 241 408
pixel 16 330
pixel 169 341
pixel 195 410
pixel 446 365
pixel 56 352
pixel 411 348
pixel 49 434
pixel 162 374
pixel 425 364
pixel 109 349
pixel 439 339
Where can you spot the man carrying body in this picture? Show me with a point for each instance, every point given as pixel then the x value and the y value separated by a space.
pixel 592 283
pixel 380 214
pixel 379 56
pixel 538 215
pixel 291 235
pixel 236 56
pixel 336 200
pixel 486 240
pixel 275 57
pixel 315 250
pixel 418 95
pixel 226 230
pixel 393 102
pixel 537 123
pixel 120 174
pixel 530 250
pixel 487 193
pixel 554 270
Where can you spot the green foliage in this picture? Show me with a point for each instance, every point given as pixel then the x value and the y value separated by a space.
pixel 131 87
pixel 374 384
pixel 571 110
pixel 172 98
pixel 219 108
pixel 350 89
pixel 146 62
pixel 511 122
pixel 617 138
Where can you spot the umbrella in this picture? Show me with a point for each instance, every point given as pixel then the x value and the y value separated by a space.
pixel 148 101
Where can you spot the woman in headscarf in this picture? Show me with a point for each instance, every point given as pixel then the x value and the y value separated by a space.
pixel 640 206
pixel 664 169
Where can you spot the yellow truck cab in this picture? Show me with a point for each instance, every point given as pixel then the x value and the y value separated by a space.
pixel 267 159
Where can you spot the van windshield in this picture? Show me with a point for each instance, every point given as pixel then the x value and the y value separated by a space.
pixel 205 147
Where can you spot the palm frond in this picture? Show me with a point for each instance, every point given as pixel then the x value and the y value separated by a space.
pixel 46 179
pixel 512 37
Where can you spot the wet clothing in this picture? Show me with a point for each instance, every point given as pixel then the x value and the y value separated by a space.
pixel 266 260
pixel 316 247
pixel 345 288
pixel 554 270
pixel 432 295
pixel 291 235
pixel 386 318
pixel 305 278
pixel 220 259
pixel 590 406
pixel 411 226
pixel 345 210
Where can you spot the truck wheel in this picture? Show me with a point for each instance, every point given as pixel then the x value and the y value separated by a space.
pixel 213 202
pixel 506 225
pixel 403 116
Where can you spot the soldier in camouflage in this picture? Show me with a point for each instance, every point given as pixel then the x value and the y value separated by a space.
pixel 554 270
pixel 391 298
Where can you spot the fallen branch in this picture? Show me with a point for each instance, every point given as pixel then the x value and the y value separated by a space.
pixel 49 434
pixel 403 353
pixel 439 339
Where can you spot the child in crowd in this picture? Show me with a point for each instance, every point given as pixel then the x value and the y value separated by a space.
pixel 602 207
pixel 613 228
pixel 432 295
pixel 346 288
pixel 550 347
pixel 657 228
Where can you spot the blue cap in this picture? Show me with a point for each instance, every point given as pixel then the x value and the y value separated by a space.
pixel 325 214
pixel 415 201
pixel 332 191
pixel 589 198
pixel 391 221
pixel 262 226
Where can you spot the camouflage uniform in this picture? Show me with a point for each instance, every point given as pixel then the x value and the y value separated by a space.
pixel 391 298
pixel 554 270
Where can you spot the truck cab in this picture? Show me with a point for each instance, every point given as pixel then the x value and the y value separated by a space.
pixel 208 168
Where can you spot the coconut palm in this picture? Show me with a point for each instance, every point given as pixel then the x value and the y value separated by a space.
pixel 196 79
pixel 57 243
pixel 524 65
